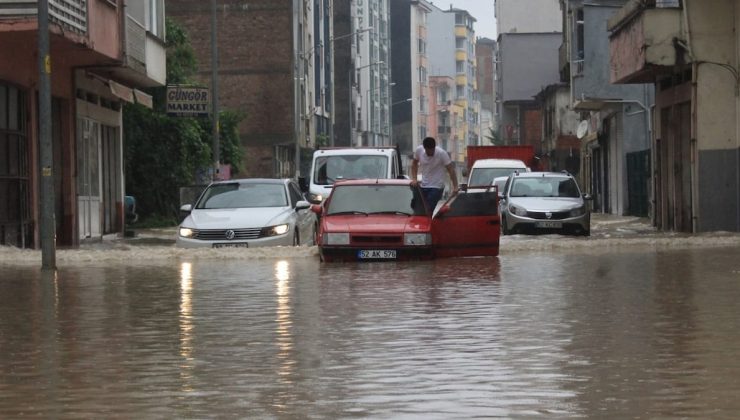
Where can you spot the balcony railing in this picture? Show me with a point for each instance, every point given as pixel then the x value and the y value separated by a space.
pixel 69 14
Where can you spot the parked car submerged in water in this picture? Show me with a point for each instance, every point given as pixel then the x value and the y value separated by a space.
pixel 386 219
pixel 248 213
pixel 544 202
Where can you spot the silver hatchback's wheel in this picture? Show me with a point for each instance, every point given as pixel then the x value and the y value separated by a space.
pixel 504 227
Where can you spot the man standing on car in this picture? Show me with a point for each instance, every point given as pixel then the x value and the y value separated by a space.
pixel 433 161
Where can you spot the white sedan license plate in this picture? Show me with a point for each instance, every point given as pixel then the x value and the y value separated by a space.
pixel 376 253
pixel 235 245
pixel 549 225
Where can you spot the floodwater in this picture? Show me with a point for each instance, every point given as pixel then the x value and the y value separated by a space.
pixel 625 324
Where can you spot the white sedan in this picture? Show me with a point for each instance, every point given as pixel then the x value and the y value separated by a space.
pixel 248 213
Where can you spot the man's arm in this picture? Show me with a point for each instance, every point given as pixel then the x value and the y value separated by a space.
pixel 414 171
pixel 453 176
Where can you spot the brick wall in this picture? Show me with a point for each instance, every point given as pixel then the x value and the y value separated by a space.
pixel 532 129
pixel 255 69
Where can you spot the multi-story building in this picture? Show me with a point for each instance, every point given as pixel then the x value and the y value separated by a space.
pixel 446 121
pixel 529 33
pixel 274 65
pixel 616 146
pixel 689 50
pixel 451 50
pixel 101 54
pixel 410 104
pixel 485 55
pixel 362 54
pixel 373 70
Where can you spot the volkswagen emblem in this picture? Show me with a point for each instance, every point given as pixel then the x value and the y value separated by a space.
pixel 548 215
pixel 230 234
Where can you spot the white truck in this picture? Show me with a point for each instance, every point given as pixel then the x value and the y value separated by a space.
pixel 333 164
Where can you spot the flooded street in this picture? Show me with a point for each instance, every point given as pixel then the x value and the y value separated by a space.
pixel 625 324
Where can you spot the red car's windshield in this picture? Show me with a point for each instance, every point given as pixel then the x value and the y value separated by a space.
pixel 375 199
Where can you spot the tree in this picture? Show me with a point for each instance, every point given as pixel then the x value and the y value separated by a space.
pixel 165 153
pixel 493 137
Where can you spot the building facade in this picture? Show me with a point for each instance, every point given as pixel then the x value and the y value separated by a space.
pixel 616 146
pixel 102 53
pixel 275 66
pixel 689 51
pixel 451 50
pixel 485 56
pixel 410 64
pixel 529 34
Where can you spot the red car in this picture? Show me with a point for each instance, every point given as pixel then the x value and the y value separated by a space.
pixel 386 219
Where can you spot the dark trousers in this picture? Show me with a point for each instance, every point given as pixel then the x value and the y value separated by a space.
pixel 432 197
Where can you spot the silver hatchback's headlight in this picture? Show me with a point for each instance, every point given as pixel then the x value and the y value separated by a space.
pixel 417 239
pixel 578 211
pixel 336 238
pixel 517 211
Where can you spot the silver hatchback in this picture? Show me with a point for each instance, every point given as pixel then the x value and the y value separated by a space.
pixel 544 202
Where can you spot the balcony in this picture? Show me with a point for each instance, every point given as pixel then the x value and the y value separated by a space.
pixel 642 42
pixel 69 14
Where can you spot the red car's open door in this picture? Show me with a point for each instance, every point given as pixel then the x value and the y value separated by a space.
pixel 467 225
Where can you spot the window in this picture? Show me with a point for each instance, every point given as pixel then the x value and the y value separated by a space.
pixel 460 43
pixel 422 47
pixel 422 74
pixel 460 66
pixel 460 91
pixel 156 18
pixel 443 96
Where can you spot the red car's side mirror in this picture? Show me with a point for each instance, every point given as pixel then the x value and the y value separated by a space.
pixel 317 208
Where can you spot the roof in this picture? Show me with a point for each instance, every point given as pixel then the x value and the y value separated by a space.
pixel 379 181
pixel 543 174
pixel 499 163
pixel 385 151
pixel 253 181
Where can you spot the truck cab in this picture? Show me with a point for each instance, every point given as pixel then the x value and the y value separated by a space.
pixel 334 164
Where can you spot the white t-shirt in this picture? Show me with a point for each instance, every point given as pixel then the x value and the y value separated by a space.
pixel 432 168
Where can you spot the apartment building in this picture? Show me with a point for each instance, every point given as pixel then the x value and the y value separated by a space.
pixel 410 64
pixel 274 65
pixel 688 50
pixel 102 53
pixel 451 50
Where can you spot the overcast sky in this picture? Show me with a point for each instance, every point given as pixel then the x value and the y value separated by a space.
pixel 482 11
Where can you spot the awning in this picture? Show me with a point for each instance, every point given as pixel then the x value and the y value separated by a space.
pixel 121 91
pixel 143 98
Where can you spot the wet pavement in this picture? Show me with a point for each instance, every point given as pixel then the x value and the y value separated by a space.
pixel 629 323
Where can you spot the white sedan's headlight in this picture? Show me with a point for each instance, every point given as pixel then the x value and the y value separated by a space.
pixel 336 238
pixel 186 232
pixel 578 211
pixel 274 230
pixel 315 198
pixel 518 211
pixel 411 239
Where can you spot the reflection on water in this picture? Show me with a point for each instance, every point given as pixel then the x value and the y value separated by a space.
pixel 598 333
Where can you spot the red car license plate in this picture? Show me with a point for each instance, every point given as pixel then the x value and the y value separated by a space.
pixel 376 253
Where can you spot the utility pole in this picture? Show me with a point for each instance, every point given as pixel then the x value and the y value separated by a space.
pixel 214 95
pixel 47 223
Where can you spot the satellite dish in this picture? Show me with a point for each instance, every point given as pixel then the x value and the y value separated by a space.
pixel 582 129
